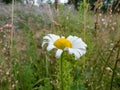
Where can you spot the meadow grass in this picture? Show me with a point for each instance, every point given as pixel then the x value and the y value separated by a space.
pixel 30 67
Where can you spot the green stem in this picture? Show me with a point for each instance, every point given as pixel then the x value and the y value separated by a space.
pixel 11 44
pixel 84 17
pixel 101 77
pixel 113 74
pixel 115 66
pixel 46 60
pixel 61 72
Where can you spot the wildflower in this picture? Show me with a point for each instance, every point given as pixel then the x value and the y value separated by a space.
pixel 108 69
pixel 72 44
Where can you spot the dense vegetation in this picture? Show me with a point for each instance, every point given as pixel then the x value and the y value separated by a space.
pixel 25 65
pixel 104 4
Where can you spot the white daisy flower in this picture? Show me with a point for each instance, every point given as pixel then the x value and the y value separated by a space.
pixel 72 44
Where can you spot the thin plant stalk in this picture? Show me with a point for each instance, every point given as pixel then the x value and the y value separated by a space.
pixel 84 17
pixel 115 66
pixel 61 71
pixel 11 43
pixel 46 60
pixel 12 31
pixel 56 4
pixel 101 77
pixel 111 84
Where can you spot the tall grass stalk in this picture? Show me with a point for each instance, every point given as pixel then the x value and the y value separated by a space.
pixel 61 72
pixel 115 66
pixel 46 61
pixel 84 17
pixel 11 43
pixel 12 19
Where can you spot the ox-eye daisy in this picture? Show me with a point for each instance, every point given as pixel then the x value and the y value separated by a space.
pixel 72 44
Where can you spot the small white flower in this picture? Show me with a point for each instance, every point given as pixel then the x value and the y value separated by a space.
pixel 108 69
pixel 118 74
pixel 103 19
pixel 72 44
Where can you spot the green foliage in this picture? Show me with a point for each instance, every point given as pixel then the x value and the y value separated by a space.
pixel 106 4
pixel 7 1
pixel 47 85
pixel 24 77
pixel 67 68
pixel 33 68
pixel 10 1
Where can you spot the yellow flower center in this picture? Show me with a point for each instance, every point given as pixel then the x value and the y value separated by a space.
pixel 62 43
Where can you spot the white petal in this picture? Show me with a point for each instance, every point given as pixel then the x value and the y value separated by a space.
pixel 75 52
pixel 58 53
pixel 62 37
pixel 50 47
pixel 50 39
pixel 47 39
pixel 81 51
pixel 53 37
pixel 44 42
pixel 70 50
pixel 77 55
pixel 77 42
pixel 70 38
